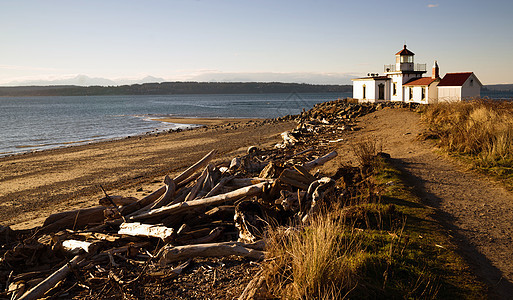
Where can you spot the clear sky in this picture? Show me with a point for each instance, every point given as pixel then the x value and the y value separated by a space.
pixel 263 40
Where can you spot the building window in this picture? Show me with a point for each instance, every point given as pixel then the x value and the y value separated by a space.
pixel 411 93
pixel 394 89
pixel 423 93
pixel 471 82
pixel 364 91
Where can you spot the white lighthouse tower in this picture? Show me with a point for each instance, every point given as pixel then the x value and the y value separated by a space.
pixel 403 71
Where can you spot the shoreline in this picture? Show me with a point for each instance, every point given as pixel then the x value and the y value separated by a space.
pixel 201 121
pixel 193 122
pixel 35 184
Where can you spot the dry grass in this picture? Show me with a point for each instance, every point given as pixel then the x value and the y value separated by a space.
pixel 480 128
pixel 317 261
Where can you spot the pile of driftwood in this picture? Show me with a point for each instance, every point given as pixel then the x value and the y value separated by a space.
pixel 208 210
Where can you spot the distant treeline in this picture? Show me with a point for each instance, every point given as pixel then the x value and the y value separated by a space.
pixel 171 88
pixel 498 87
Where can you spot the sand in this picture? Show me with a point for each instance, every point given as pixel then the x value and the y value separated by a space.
pixel 34 185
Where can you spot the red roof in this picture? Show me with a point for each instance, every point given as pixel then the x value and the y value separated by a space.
pixel 405 52
pixel 420 81
pixel 454 79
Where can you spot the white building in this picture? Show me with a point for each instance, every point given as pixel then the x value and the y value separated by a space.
pixel 403 81
pixel 458 86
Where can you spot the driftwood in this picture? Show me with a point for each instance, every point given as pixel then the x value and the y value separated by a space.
pixel 194 191
pixel 168 195
pixel 214 200
pixel 288 138
pixel 242 182
pixel 320 161
pixel 253 288
pixel 146 230
pixel 315 194
pixel 170 254
pixel 210 237
pixel 76 247
pixel 218 186
pixel 39 290
pixel 201 163
pixel 74 219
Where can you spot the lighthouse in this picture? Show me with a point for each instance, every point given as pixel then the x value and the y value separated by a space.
pixel 403 82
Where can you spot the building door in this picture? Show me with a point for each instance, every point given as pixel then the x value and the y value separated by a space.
pixel 381 91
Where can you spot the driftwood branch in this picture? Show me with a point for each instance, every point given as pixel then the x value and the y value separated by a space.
pixel 170 254
pixel 201 163
pixel 320 161
pixel 219 185
pixel 39 290
pixel 147 230
pixel 168 196
pixel 214 200
pixel 194 191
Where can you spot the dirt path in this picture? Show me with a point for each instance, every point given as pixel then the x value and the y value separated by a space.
pixel 478 213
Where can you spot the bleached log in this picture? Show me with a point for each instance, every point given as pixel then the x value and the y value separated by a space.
pixel 147 230
pixel 201 163
pixel 214 200
pixel 219 185
pixel 320 161
pixel 168 196
pixel 39 290
pixel 170 254
pixel 75 247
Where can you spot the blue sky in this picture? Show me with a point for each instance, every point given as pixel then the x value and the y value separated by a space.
pixel 245 40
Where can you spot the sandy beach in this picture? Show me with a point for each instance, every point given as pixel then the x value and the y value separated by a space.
pixel 34 185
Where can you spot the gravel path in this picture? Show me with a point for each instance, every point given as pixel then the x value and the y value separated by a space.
pixel 477 212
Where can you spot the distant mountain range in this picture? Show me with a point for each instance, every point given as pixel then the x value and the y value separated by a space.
pixel 172 88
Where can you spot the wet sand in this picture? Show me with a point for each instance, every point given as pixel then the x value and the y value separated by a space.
pixel 34 185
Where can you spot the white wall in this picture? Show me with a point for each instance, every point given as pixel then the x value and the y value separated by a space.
pixel 432 93
pixel 449 93
pixel 370 90
pixel 471 91
pixel 399 82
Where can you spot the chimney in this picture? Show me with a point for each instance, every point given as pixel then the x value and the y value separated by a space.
pixel 436 71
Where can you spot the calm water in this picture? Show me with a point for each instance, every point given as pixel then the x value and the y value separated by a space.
pixel 38 123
